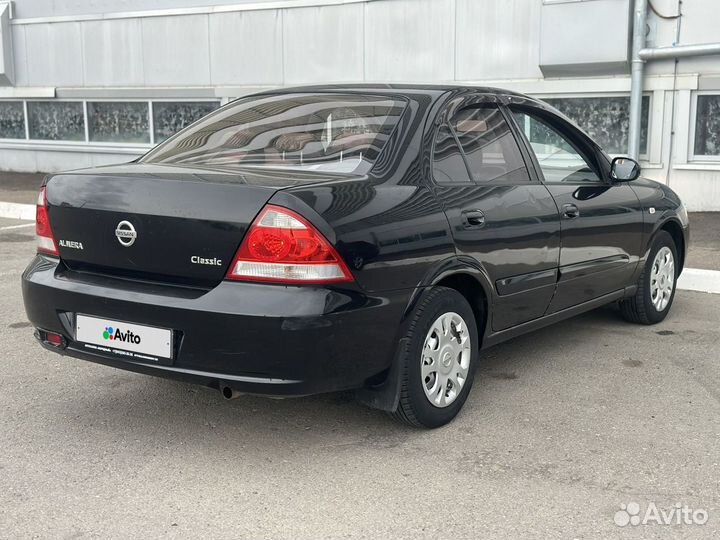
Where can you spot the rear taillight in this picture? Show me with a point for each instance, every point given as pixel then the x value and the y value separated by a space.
pixel 43 230
pixel 283 247
pixel 51 338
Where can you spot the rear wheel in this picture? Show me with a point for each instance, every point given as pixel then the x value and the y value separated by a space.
pixel 438 360
pixel 656 286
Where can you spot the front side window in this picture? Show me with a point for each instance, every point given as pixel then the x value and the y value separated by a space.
pixel 313 132
pixel 707 126
pixel 489 145
pixel 558 157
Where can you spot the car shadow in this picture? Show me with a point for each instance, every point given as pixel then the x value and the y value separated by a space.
pixel 117 405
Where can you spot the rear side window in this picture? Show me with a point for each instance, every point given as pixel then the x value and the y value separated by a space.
pixel 448 163
pixel 490 148
pixel 342 133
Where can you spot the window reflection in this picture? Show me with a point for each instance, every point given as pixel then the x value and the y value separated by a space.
pixel 338 133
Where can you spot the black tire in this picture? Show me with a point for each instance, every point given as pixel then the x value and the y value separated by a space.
pixel 414 407
pixel 639 309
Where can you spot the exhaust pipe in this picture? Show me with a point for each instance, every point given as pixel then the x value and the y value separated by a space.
pixel 229 392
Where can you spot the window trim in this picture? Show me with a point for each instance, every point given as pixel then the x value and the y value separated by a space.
pixel 644 156
pixel 692 156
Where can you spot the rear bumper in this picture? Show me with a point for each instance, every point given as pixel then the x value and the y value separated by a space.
pixel 264 339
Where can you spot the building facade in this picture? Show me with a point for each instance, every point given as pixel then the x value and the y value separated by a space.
pixel 85 83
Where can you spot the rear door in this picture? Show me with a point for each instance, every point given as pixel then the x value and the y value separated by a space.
pixel 499 213
pixel 601 221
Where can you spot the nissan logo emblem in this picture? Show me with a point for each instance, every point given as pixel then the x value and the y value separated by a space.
pixel 125 233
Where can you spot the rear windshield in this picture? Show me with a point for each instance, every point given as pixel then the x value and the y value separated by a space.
pixel 322 132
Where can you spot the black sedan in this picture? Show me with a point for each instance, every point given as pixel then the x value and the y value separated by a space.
pixel 365 237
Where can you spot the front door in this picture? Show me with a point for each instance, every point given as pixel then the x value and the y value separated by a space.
pixel 499 213
pixel 601 221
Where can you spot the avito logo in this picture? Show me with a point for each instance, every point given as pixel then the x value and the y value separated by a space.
pixel 117 334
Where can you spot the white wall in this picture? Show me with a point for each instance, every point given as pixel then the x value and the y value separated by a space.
pixel 58 8
pixel 109 46
pixel 399 40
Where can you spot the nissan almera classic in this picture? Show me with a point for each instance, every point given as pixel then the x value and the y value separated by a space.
pixel 373 238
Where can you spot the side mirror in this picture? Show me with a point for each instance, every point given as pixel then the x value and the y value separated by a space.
pixel 624 169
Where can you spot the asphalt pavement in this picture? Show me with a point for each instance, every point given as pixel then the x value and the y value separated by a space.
pixel 562 428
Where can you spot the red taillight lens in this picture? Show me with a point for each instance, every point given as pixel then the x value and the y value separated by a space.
pixel 43 230
pixel 56 340
pixel 282 247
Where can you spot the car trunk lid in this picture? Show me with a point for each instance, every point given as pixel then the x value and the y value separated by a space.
pixel 157 223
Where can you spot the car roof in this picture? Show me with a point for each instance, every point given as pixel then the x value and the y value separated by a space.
pixel 431 89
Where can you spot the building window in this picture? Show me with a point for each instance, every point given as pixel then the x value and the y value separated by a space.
pixel 56 120
pixel 122 122
pixel 12 120
pixel 605 119
pixel 169 117
pixel 707 126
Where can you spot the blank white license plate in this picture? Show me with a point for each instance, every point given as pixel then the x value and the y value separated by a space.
pixel 123 338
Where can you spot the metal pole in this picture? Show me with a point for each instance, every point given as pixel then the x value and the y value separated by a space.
pixel 680 51
pixel 636 77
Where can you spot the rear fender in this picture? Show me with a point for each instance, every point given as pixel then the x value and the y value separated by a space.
pixel 385 395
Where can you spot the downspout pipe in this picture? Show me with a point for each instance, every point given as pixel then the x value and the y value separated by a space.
pixel 636 76
pixel 679 51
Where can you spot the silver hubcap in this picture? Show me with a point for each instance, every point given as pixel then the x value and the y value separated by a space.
pixel 445 359
pixel 662 278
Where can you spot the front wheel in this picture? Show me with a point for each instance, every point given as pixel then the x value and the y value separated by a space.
pixel 656 286
pixel 438 359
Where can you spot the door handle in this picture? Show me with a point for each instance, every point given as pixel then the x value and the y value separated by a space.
pixel 473 219
pixel 570 211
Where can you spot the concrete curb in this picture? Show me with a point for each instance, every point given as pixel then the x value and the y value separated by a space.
pixel 696 279
pixel 17 211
